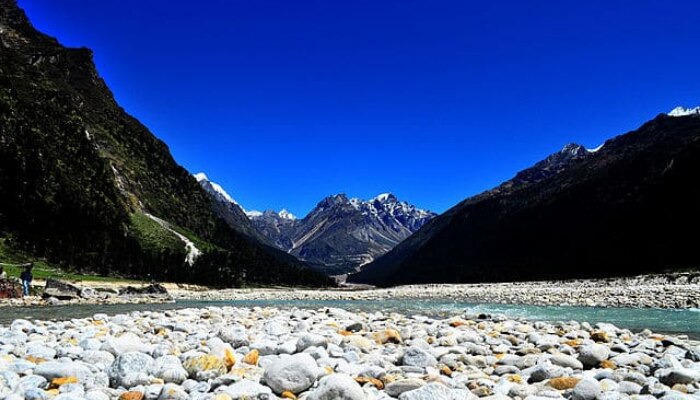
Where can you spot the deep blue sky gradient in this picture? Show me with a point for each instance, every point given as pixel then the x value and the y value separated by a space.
pixel 285 102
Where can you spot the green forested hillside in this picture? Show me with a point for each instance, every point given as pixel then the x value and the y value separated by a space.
pixel 78 174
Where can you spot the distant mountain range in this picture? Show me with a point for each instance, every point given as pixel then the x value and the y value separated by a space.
pixel 628 207
pixel 341 234
pixel 87 187
pixel 338 236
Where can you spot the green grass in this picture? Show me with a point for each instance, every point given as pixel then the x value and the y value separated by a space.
pixel 153 237
pixel 43 269
pixel 156 238
pixel 201 244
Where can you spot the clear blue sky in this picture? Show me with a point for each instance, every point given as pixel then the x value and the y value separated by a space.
pixel 285 102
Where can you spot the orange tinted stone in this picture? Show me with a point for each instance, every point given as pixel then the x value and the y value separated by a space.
pixel 252 357
pixel 563 383
pixel 374 381
pixel 131 396
pixel 63 381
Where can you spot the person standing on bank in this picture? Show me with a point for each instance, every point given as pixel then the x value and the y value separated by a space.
pixel 26 278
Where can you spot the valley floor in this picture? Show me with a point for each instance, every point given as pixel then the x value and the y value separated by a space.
pixel 680 290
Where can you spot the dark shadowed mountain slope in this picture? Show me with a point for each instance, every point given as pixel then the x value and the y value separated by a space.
pixel 86 186
pixel 227 208
pixel 631 207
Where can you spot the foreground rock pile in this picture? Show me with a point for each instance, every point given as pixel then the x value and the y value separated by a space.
pixel 265 353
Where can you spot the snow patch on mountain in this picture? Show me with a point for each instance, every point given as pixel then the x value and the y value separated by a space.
pixel 383 197
pixel 595 149
pixel 388 204
pixel 201 176
pixel 192 251
pixel 203 180
pixel 253 214
pixel 684 112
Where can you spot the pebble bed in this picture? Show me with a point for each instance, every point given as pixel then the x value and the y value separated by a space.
pixel 36 301
pixel 680 290
pixel 228 353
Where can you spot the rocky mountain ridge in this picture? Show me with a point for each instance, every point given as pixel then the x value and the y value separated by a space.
pixel 620 210
pixel 339 235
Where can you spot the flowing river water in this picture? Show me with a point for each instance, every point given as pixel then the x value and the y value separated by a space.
pixel 685 321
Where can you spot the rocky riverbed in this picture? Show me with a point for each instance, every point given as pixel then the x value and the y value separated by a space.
pixel 227 353
pixel 662 291
pixel 37 301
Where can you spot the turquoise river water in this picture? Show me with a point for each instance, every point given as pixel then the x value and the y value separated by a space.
pixel 658 320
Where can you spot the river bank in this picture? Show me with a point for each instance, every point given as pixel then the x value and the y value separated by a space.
pixel 647 291
pixel 91 293
pixel 226 353
pixel 679 291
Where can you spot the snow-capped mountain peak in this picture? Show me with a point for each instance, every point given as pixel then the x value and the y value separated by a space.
pixel 573 149
pixel 286 214
pixel 384 197
pixel 228 209
pixel 683 112
pixel 253 214
pixel 338 235
pixel 221 195
pixel 203 180
pixel 342 233
pixel 201 176
pixel 282 214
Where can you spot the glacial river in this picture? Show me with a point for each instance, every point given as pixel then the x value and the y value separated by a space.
pixel 658 320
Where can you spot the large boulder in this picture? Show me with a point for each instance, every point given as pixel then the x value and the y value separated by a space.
pixel 337 387
pixel 248 390
pixel 431 391
pixel 60 290
pixel 170 370
pixel 586 389
pixel 679 375
pixel 154 289
pixel 593 354
pixel 205 367
pixel 310 340
pixel 126 343
pixel 417 357
pixel 394 389
pixel 61 369
pixel 131 369
pixel 292 373
pixel 235 335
